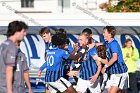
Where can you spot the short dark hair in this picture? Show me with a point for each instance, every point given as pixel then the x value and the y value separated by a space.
pixel 111 30
pixel 15 26
pixel 58 40
pixel 62 31
pixel 87 30
pixel 44 30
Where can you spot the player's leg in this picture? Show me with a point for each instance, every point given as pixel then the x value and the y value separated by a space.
pixel 119 82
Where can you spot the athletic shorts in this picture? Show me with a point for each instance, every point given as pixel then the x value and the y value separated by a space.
pixel 119 80
pixel 82 86
pixel 59 85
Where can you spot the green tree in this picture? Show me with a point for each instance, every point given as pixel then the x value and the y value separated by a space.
pixel 125 6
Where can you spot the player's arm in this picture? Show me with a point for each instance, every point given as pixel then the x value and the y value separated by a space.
pixel 26 74
pixel 98 63
pixel 78 55
pixel 10 61
pixel 95 76
pixel 41 69
pixel 115 50
pixel 9 78
pixel 27 81
pixel 113 59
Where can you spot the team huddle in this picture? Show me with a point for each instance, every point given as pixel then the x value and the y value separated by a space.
pixel 94 65
pixel 90 62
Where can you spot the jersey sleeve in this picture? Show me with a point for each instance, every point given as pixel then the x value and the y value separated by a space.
pixel 43 66
pixel 11 54
pixel 70 48
pixel 114 47
pixel 65 54
pixel 93 52
pixel 25 63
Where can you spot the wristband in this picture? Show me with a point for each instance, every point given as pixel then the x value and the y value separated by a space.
pixel 82 51
pixel 106 66
pixel 99 59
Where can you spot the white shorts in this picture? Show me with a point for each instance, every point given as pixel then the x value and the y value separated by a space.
pixel 119 80
pixel 82 86
pixel 61 85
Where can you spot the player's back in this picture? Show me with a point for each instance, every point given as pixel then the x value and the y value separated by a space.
pixel 55 57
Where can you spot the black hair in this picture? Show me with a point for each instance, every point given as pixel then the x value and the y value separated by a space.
pixel 90 40
pixel 87 30
pixel 62 31
pixel 15 26
pixel 58 40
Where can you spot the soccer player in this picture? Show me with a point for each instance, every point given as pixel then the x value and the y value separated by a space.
pixel 90 67
pixel 22 73
pixel 46 36
pixel 8 51
pixel 45 33
pixel 55 57
pixel 115 68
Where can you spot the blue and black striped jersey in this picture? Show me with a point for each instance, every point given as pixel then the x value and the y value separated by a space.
pixel 88 66
pixel 54 61
pixel 119 66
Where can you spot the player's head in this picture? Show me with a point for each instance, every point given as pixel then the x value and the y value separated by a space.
pixel 87 32
pixel 62 31
pixel 91 42
pixel 109 32
pixel 101 49
pixel 17 29
pixel 45 34
pixel 83 39
pixel 59 41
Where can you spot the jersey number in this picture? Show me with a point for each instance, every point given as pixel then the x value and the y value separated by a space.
pixel 50 60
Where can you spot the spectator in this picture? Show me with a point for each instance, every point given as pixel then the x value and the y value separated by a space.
pixel 131 55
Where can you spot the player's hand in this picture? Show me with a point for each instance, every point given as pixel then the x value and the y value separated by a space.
pixel 75 47
pixel 39 73
pixel 127 54
pixel 93 78
pixel 30 90
pixel 72 73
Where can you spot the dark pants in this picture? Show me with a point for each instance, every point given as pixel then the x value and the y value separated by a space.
pixel 133 83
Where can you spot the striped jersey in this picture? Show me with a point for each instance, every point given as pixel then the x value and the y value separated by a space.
pixel 48 45
pixel 88 66
pixel 119 66
pixel 54 61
